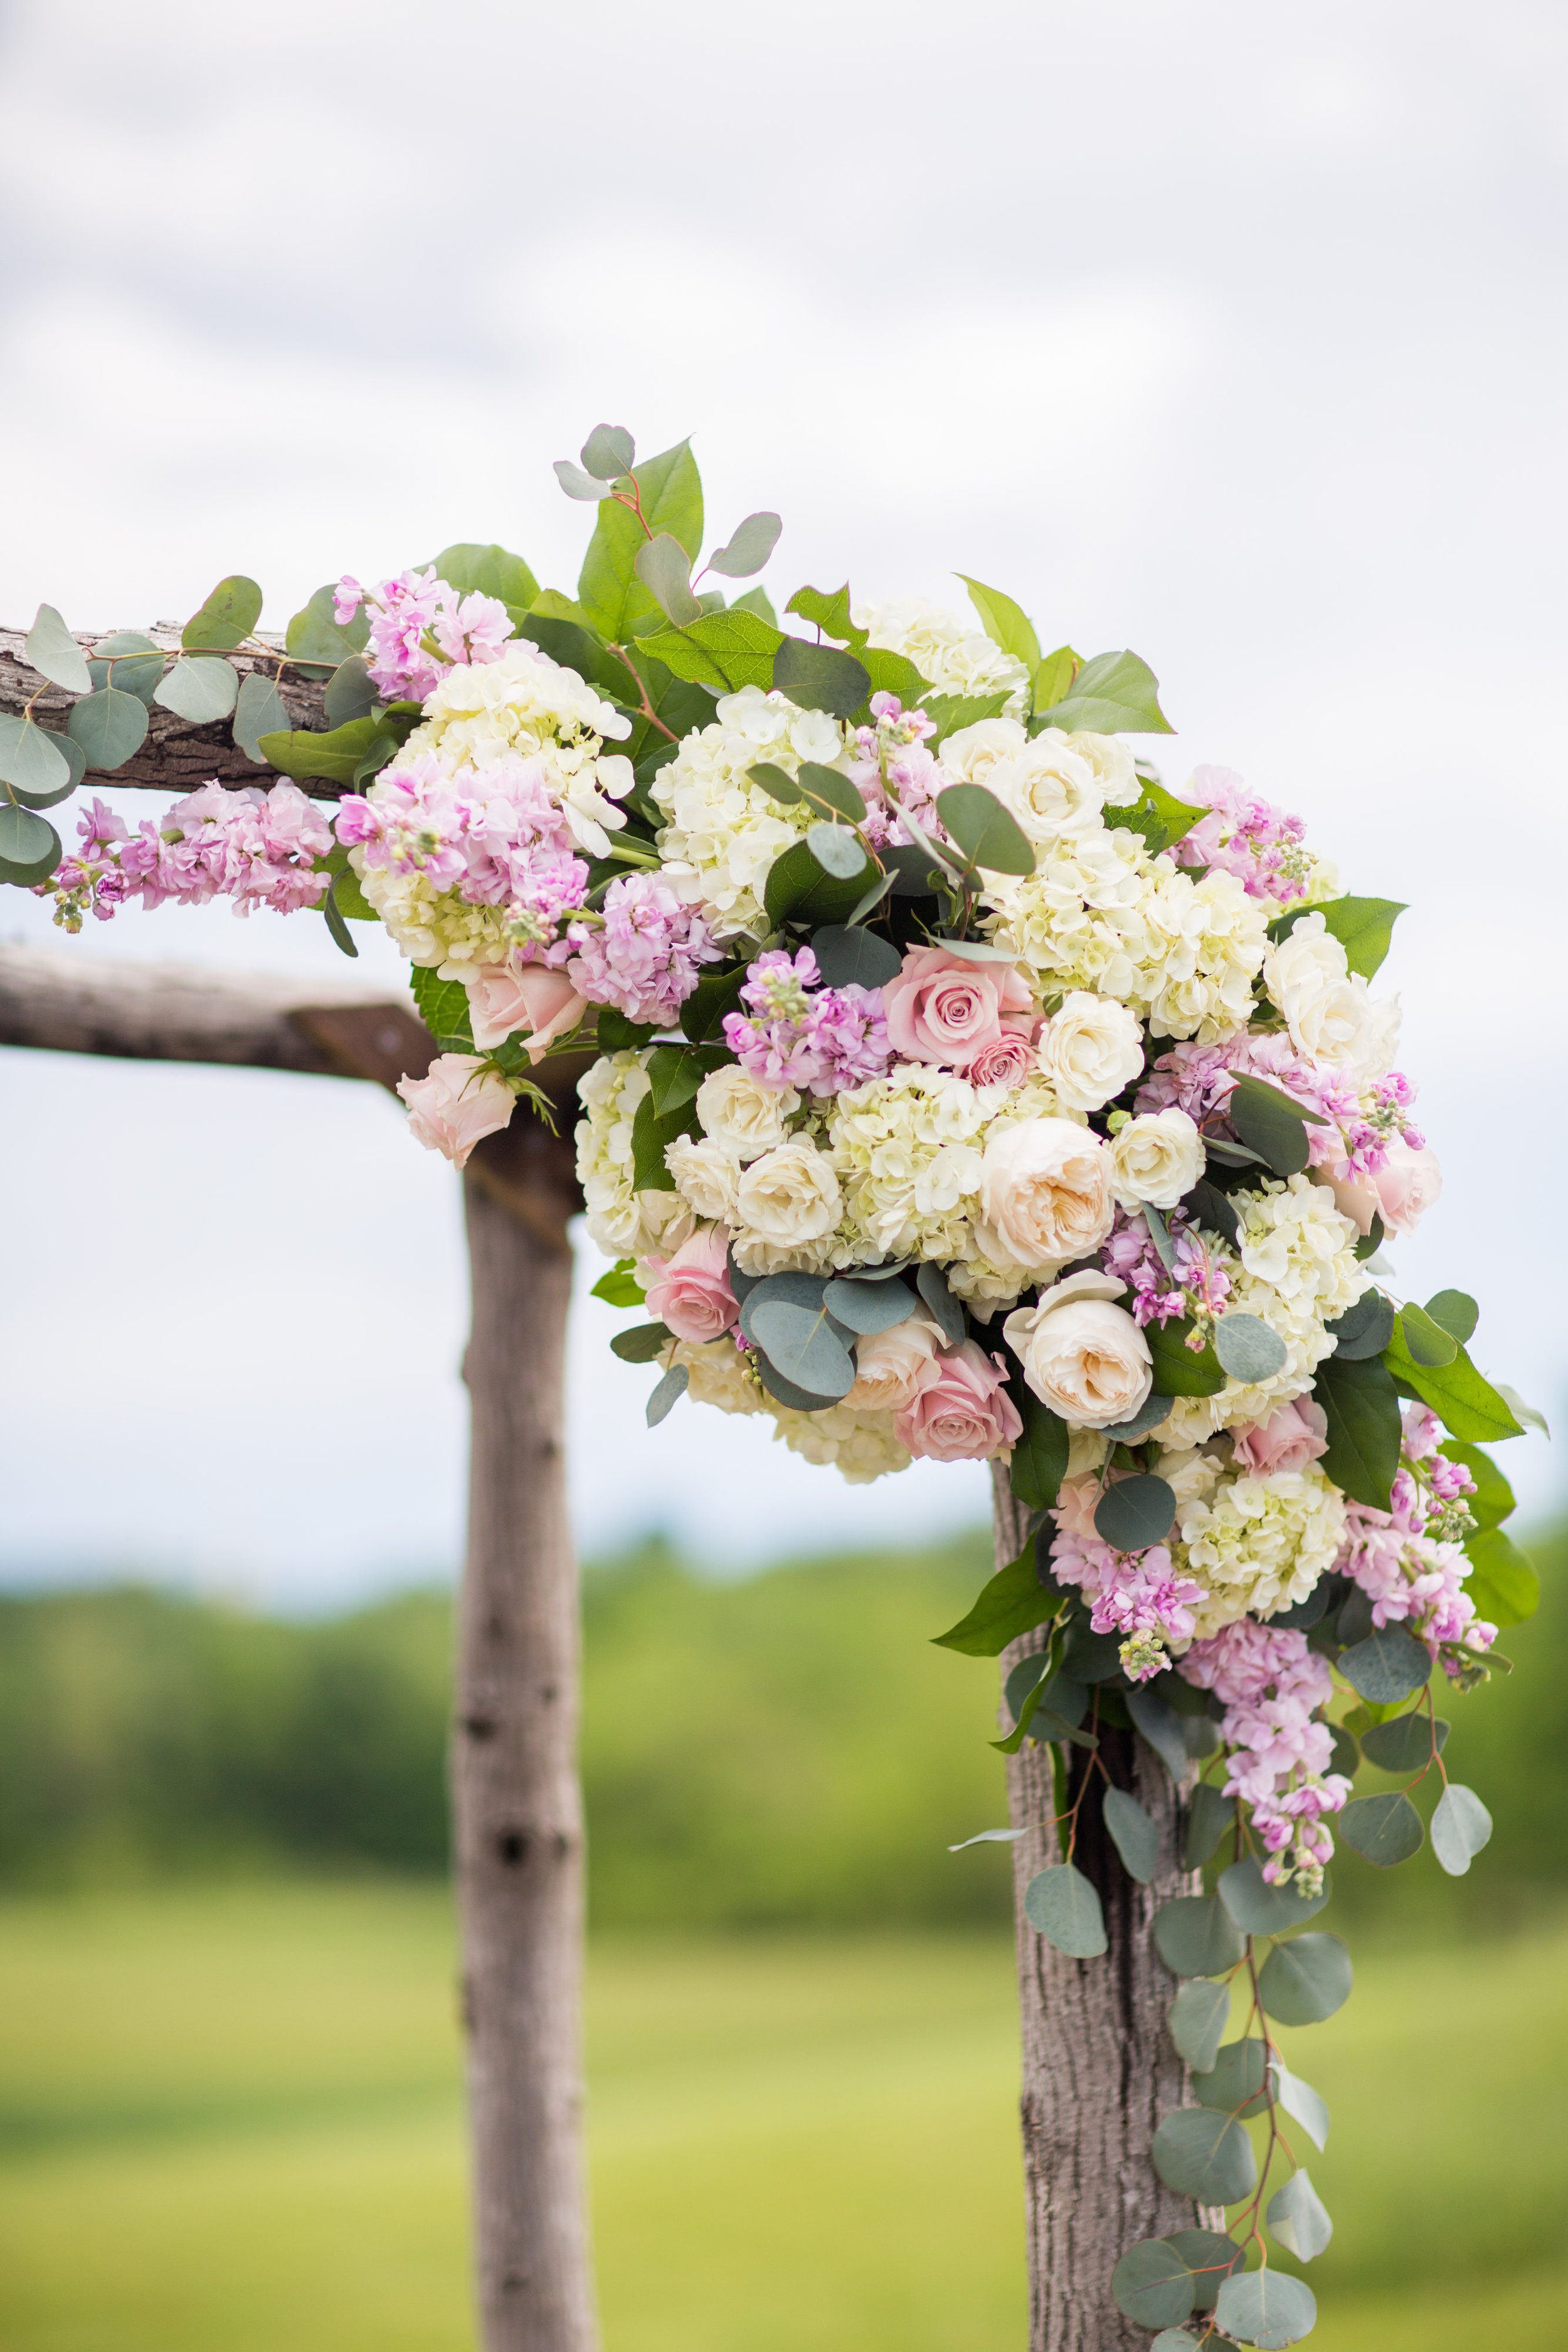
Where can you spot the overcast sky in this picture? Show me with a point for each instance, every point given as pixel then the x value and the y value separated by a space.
pixel 1234 334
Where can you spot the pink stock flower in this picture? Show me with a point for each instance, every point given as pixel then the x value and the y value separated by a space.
pixel 1358 1129
pixel 498 839
pixel 1406 1560
pixel 893 763
pixel 1246 836
pixel 258 848
pixel 1142 1595
pixel 818 1040
pixel 419 627
pixel 456 1104
pixel 946 1009
pixel 1297 1434
pixel 1274 1687
pixel 964 1415
pixel 643 956
pixel 690 1291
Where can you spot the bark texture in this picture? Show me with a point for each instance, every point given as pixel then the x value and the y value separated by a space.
pixel 517 1807
pixel 1098 2068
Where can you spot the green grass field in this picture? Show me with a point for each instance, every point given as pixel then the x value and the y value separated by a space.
pixel 229 2122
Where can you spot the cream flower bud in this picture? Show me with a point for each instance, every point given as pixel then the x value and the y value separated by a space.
pixel 891 1367
pixel 741 1114
pixel 704 1174
pixel 789 1196
pixel 1156 1160
pixel 1090 1050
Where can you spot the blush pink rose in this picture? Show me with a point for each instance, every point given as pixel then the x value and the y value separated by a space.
pixel 1400 1192
pixel 504 999
pixel 1289 1440
pixel 965 1414
pixel 457 1103
pixel 690 1291
pixel 1076 1505
pixel 1007 1062
pixel 941 1008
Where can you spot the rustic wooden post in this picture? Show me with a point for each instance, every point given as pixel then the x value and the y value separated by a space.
pixel 1099 2067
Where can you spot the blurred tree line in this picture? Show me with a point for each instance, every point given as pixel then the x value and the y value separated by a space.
pixel 786 1749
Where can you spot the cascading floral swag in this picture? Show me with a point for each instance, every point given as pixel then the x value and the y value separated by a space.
pixel 962 1093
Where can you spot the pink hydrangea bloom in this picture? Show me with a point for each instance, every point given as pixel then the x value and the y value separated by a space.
pixel 820 1040
pixel 643 955
pixel 891 758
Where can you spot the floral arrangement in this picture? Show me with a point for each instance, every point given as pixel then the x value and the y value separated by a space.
pixel 958 1091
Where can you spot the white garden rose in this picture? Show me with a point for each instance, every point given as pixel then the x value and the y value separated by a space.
pixel 1044 780
pixel 1090 1050
pixel 789 1197
pixel 1044 1190
pixel 705 1174
pixel 1156 1159
pixel 1081 1355
pixel 742 1115
pixel 1331 1013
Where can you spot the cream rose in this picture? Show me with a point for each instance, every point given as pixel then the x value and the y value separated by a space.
pixel 1090 1050
pixel 1329 1012
pixel 1156 1159
pixel 1044 1190
pixel 704 1174
pixel 1081 1355
pixel 789 1196
pixel 892 1367
pixel 742 1115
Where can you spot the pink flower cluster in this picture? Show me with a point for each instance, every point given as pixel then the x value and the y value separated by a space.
pixel 1273 1686
pixel 1359 1130
pixel 1143 1595
pixel 892 765
pixel 1246 836
pixel 820 1040
pixel 1404 1559
pixel 642 956
pixel 419 627
pixel 258 848
pixel 1197 1286
pixel 499 838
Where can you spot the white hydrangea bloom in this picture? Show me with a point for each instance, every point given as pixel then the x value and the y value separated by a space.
pixel 1296 1270
pixel 720 1374
pixel 1203 945
pixel 621 1222
pixel 859 1445
pixel 1077 921
pixel 434 926
pixel 1255 1544
pixel 526 706
pixel 725 831
pixel 951 650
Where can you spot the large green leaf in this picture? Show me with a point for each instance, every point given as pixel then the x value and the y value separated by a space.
pixel 333 757
pixel 1504 1585
pixel 723 650
pixel 1039 1458
pixel 820 678
pixel 1113 694
pixel 1005 623
pixel 490 571
pixel 444 1009
pixel 1364 926
pixel 227 618
pixel 1013 1602
pixel 1361 1404
pixel 1179 1371
pixel 830 613
pixel 1159 817
pixel 1463 1401
pixel 608 587
pixel 799 890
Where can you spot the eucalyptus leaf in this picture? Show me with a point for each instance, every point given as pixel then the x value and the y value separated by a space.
pixel 1203 2154
pixel 829 792
pixel 664 568
pixel 1173 2339
pixel 1153 1410
pixel 1299 2099
pixel 947 1311
pixel 1157 1720
pixel 867 1308
pixel 71 753
pixel 1267 2308
pixel 316 637
pixel 1504 1585
pixel 351 693
pixel 641 1346
pixel 260 710
pixel 337 929
pixel 27 840
pixel 110 725
pixel 988 1837
pixel 1456 1312
pixel 1135 1512
pixel 227 618
pixel 748 547
pixel 987 834
pixel 1210 1813
pixel 1198 2016
pixel 1210 2257
pixel 873 897
pixel 802 1344
pixel 818 678
pixel 1406 1744
pixel 613 598
pixel 853 958
pixel 836 850
pixel 1461 1826
pixel 1151 2284
pixel 1364 1329
pixel 136 667
pixel 1307 1980
pixel 1134 1836
pixel 798 889
pixel 1385 1830
pixel 1386 1665
pixel 33 761
pixel 668 1394
pixel 1269 1123
pixel 609 453
pixel 579 485
pixel 1235 2085
pixel 1299 2218
pixel 1195 1937
pixel 1425 1341
pixel 1061 1903
pixel 1248 1349
pixel 55 653
pixel 202 689
pixel 1260 1910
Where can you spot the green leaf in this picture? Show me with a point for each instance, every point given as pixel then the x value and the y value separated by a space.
pixel 1005 623
pixel 1013 1602
pixel 1504 1585
pixel 351 693
pixel 1234 2084
pixel 817 677
pixel 651 1138
pixel 1179 1371
pixel 758 601
pixel 1305 1981
pixel 1039 1458
pixel 228 616
pixel 836 851
pixel 334 757
pixel 1463 1400
pixel 716 993
pixel 1135 1837
pixel 949 712
pixel 830 613
pixel 1458 1313
pixel 829 792
pixel 260 710
pixel 1461 1826
pixel 798 891
pixel 748 547
pixel 1053 678
pixel 1198 2016
pixel 867 1308
pixel 1271 1124
pixel 1267 2308
pixel 664 568
pixel 337 929
pixel 576 483
pixel 1260 1910
pixel 1248 1349
pixel 203 690
pixel 1363 928
pixel 34 762
pixel 1135 1512
pixel 946 1308
pixel 1384 1830
pixel 1113 694
pixel 1209 1814
pixel 1210 2258
pixel 1361 1404
pixel 1364 1329
pixel 1204 2155
pixel 1061 1903
pixel 314 637
pixel 1299 2218
pixel 1526 1414
pixel 1420 1341
pixel 642 1345
pixel 444 1009
pixel 853 958
pixel 128 670
pixel 1161 818
pixel 55 653
pixel 620 1286
pixel 609 452
pixel 801 1342
pixel 70 774
pixel 1195 1937
pixel 488 570
pixel 985 831
pixel 668 1394
pixel 1160 1725
pixel 28 842
pixel 1152 2284
pixel 722 650
pixel 1406 1743
pixel 110 725
pixel 1387 1666
pixel 608 587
